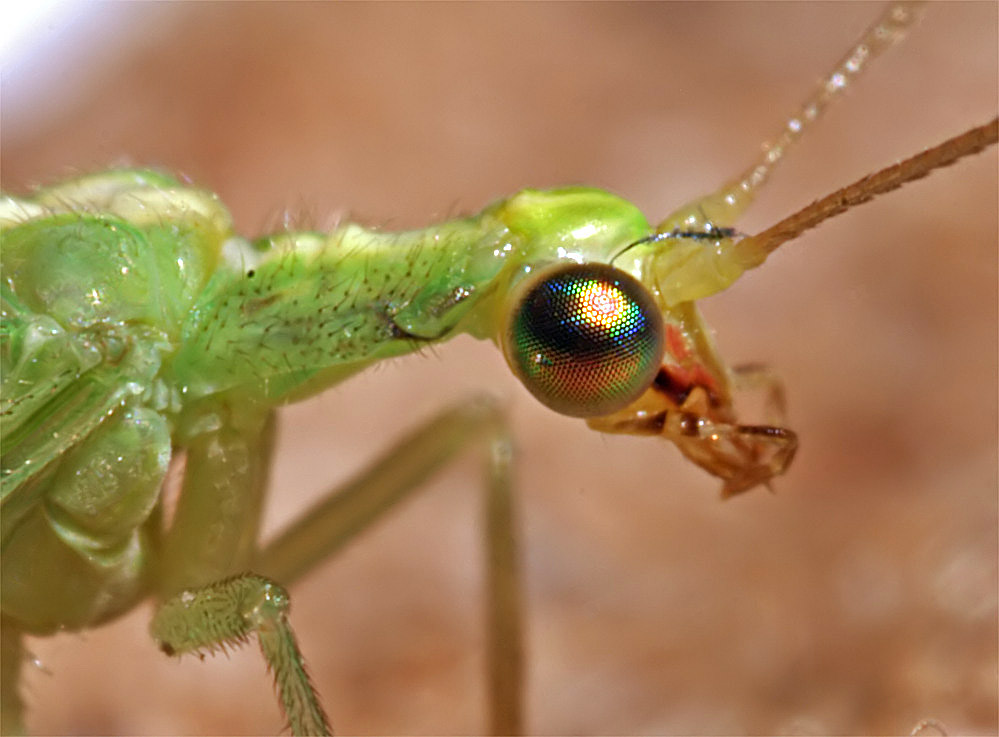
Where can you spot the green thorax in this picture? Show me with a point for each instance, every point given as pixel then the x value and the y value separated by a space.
pixel 293 313
pixel 115 258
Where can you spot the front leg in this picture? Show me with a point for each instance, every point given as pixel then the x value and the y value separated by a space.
pixel 225 614
pixel 209 602
pixel 203 616
pixel 213 530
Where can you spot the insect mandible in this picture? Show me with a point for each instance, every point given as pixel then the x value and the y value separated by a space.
pixel 388 430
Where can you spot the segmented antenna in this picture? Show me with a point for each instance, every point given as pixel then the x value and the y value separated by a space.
pixel 886 31
pixel 753 250
pixel 724 207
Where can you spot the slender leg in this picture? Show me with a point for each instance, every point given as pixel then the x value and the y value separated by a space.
pixel 343 514
pixel 226 613
pixel 226 468
pixel 503 604
pixel 210 602
pixel 217 518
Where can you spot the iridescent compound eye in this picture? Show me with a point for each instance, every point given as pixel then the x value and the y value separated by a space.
pixel 585 339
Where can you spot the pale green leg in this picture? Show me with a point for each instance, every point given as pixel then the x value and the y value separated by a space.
pixel 214 529
pixel 208 614
pixel 343 514
pixel 212 602
pixel 227 613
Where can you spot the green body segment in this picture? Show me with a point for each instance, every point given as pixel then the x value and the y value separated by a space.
pixel 98 276
pixel 136 324
pixel 291 314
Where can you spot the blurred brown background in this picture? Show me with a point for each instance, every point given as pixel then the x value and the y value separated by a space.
pixel 861 598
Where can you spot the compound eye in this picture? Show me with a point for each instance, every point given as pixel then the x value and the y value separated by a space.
pixel 585 339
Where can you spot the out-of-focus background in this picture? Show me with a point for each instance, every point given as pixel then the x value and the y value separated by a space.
pixel 860 598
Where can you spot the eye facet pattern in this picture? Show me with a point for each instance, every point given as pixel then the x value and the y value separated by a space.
pixel 585 339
